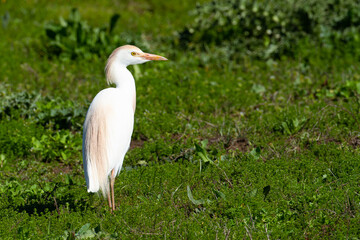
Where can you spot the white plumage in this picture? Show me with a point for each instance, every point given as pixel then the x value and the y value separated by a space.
pixel 107 133
pixel 109 122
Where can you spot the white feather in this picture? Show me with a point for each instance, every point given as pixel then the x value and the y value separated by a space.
pixel 107 134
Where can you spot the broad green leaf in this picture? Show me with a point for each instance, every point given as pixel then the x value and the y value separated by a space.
pixel 192 199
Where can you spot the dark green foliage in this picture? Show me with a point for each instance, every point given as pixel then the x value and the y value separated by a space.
pixel 16 138
pixel 73 37
pixel 24 117
pixel 54 113
pixel 60 114
pixel 19 104
pixel 273 28
pixel 5 19
pixel 60 145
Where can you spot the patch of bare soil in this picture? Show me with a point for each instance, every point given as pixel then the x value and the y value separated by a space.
pixel 64 169
pixel 241 144
pixel 355 142
pixel 138 143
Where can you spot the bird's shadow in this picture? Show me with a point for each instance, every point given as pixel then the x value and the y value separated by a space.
pixel 69 202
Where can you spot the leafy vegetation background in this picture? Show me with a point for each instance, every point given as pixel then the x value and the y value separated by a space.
pixel 249 131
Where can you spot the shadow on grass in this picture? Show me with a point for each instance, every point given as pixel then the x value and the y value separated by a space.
pixel 71 202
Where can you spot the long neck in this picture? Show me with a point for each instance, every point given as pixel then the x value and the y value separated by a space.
pixel 120 76
pixel 123 79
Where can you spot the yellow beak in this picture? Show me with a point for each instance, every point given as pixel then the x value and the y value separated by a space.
pixel 152 57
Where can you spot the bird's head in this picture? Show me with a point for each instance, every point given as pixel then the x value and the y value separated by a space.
pixel 131 55
pixel 128 55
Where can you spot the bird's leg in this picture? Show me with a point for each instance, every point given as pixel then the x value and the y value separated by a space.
pixel 112 179
pixel 109 199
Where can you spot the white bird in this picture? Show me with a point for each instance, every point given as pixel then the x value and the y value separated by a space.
pixel 109 122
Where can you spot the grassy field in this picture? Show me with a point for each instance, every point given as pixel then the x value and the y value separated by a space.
pixel 223 148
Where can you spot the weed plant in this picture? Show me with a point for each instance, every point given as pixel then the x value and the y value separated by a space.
pixel 273 29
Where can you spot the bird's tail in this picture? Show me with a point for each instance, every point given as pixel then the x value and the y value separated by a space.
pixel 95 156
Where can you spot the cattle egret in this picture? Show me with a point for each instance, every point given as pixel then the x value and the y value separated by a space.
pixel 109 122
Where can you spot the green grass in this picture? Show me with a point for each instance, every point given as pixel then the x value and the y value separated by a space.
pixel 223 149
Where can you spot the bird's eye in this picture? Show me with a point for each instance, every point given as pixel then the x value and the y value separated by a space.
pixel 133 53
